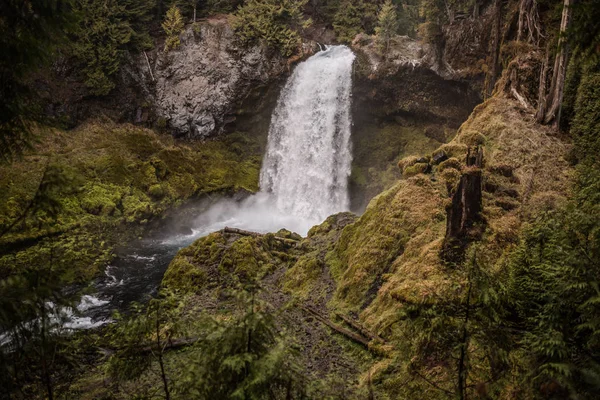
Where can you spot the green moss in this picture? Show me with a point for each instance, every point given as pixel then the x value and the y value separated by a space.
pixel 450 163
pixel 415 169
pixel 100 199
pixel 125 175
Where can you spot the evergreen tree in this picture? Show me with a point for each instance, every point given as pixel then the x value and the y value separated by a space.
pixel 107 29
pixel 143 337
pixel 30 33
pixel 277 22
pixel 243 357
pixel 387 25
pixel 173 26
pixel 347 22
pixel 100 41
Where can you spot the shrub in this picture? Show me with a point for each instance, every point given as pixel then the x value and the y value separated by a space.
pixel 275 21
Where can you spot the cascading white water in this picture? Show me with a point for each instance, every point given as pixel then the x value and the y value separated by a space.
pixel 307 163
pixel 304 177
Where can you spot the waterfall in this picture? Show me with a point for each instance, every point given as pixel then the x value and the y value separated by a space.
pixel 308 157
pixel 304 177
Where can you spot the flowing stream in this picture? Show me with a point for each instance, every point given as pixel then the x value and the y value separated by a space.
pixel 303 180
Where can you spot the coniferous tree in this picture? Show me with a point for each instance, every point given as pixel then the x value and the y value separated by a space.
pixel 101 37
pixel 387 25
pixel 347 21
pixel 245 356
pixel 276 22
pixel 30 33
pixel 173 26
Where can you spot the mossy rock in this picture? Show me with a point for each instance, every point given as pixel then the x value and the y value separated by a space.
pixel 453 163
pixel 472 138
pixel 450 177
pixel 415 169
pixel 100 199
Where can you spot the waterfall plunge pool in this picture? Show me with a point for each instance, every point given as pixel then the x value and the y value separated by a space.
pixel 303 180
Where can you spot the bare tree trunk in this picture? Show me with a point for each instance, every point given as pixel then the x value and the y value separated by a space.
pixel 160 351
pixel 539 116
pixel 495 50
pixel 560 67
pixel 194 12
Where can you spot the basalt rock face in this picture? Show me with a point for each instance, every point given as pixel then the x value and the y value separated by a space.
pixel 401 107
pixel 199 85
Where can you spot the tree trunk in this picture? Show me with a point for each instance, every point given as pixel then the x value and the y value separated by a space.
pixel 555 95
pixel 529 21
pixel 539 116
pixel 464 213
pixel 194 12
pixel 495 50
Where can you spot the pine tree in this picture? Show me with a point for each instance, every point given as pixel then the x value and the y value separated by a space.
pixel 173 26
pixel 100 39
pixel 387 25
pixel 347 21
pixel 276 22
pixel 30 34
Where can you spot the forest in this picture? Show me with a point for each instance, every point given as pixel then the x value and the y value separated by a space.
pixel 464 263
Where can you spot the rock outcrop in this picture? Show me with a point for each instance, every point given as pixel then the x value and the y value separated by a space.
pixel 199 84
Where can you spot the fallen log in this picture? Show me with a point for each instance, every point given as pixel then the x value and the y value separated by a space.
pixel 364 331
pixel 243 232
pixel 345 332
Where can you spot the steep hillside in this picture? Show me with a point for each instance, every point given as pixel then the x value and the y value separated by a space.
pixel 384 272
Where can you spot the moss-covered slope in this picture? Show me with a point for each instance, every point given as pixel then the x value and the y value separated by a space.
pixel 385 269
pixel 109 180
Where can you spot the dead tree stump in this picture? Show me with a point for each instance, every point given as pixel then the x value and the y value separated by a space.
pixel 464 222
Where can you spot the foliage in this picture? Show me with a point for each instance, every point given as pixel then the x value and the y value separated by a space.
pixel 276 22
pixel 143 337
pixel 555 288
pixel 33 302
pixel 173 26
pixel 387 25
pixel 584 33
pixel 434 14
pixel 244 356
pixel 347 21
pixel 222 6
pixel 586 122
pixel 353 17
pixel 30 33
pixel 106 29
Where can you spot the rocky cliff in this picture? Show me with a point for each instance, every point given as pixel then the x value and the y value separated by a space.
pixel 199 85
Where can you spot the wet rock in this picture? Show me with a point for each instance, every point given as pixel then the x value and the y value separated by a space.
pixel 439 156
pixel 202 82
